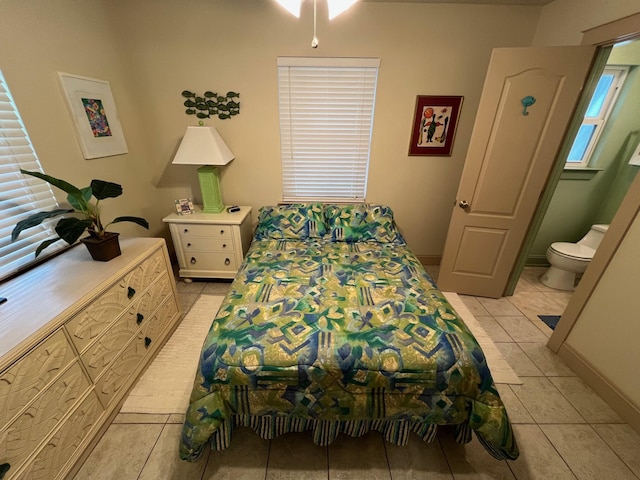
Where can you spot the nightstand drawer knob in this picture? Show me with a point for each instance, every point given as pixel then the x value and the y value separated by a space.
pixel 139 318
pixel 227 261
pixel 188 244
pixel 130 292
pixel 186 230
pixel 147 342
pixel 224 245
pixel 193 260
pixel 221 232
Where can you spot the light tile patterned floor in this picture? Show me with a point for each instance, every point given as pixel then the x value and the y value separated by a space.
pixel 564 429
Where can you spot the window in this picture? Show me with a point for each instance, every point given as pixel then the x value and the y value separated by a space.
pixel 20 195
pixel 598 111
pixel 326 118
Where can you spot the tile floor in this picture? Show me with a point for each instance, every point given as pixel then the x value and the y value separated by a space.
pixel 563 428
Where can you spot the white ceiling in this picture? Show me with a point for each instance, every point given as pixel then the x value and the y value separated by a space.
pixel 487 2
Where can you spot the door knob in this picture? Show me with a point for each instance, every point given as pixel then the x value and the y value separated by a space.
pixel 463 204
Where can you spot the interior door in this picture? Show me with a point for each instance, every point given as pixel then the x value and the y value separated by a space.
pixel 527 102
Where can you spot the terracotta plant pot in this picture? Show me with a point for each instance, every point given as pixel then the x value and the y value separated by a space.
pixel 103 249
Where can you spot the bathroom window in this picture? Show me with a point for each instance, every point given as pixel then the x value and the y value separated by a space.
pixel 20 196
pixel 326 119
pixel 600 107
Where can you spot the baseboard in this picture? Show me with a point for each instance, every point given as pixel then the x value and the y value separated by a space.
pixel 537 261
pixel 603 387
pixel 429 259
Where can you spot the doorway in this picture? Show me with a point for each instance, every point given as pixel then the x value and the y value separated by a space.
pixel 592 193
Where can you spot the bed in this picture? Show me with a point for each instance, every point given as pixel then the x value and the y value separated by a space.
pixel 333 326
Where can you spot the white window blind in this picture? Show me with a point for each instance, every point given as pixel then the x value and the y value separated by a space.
pixel 600 107
pixel 326 119
pixel 20 195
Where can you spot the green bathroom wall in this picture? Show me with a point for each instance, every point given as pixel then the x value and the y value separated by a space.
pixel 584 198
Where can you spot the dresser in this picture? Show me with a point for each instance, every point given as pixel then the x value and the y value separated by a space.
pixel 210 245
pixel 75 334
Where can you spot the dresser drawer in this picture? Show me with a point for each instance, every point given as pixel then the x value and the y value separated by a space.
pixel 30 375
pixel 101 353
pixel 63 444
pixel 160 320
pixel 207 244
pixel 115 377
pixel 27 430
pixel 90 323
pixel 154 296
pixel 211 261
pixel 106 348
pixel 146 272
pixel 189 230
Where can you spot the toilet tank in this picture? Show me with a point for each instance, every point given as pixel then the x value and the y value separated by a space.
pixel 594 236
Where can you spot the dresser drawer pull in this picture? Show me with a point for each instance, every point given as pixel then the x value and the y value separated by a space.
pixel 139 318
pixel 224 245
pixel 147 342
pixel 188 244
pixel 186 230
pixel 4 468
pixel 227 261
pixel 130 292
pixel 193 260
pixel 221 232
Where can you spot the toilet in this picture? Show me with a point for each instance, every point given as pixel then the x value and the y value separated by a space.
pixel 569 259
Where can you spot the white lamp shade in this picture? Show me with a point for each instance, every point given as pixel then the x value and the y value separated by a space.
pixel 202 146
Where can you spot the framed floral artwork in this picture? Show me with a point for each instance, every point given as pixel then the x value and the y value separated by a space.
pixel 434 125
pixel 95 116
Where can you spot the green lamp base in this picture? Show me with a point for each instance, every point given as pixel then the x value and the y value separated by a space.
pixel 209 178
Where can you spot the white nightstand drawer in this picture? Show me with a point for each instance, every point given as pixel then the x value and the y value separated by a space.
pixel 211 261
pixel 210 245
pixel 189 230
pixel 203 244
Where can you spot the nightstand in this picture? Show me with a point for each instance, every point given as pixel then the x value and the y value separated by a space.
pixel 210 245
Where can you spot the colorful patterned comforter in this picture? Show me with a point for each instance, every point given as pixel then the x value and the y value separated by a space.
pixel 340 337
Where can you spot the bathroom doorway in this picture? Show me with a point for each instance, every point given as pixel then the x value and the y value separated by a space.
pixel 592 193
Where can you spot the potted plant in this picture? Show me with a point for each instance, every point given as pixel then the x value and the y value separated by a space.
pixel 101 244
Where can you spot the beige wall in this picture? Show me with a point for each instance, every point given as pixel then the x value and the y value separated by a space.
pixel 607 330
pixel 38 38
pixel 152 50
pixel 579 203
pixel 424 49
pixel 563 21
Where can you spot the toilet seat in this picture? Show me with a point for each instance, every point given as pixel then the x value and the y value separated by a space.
pixel 574 251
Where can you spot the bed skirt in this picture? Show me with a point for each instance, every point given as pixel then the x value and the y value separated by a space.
pixel 325 432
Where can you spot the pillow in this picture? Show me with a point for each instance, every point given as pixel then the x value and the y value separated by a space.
pixel 295 221
pixel 361 223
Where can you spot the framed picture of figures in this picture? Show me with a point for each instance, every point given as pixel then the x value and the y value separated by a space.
pixel 95 116
pixel 434 125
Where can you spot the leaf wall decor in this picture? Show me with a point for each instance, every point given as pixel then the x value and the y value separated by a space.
pixel 211 104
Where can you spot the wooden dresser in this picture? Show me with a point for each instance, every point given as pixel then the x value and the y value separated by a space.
pixel 75 334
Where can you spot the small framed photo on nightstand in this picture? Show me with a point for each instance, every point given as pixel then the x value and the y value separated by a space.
pixel 184 206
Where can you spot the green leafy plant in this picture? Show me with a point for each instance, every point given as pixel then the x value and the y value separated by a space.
pixel 87 213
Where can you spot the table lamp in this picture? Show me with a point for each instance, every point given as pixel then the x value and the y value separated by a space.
pixel 204 146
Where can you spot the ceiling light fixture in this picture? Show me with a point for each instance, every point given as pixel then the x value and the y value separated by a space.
pixel 336 7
